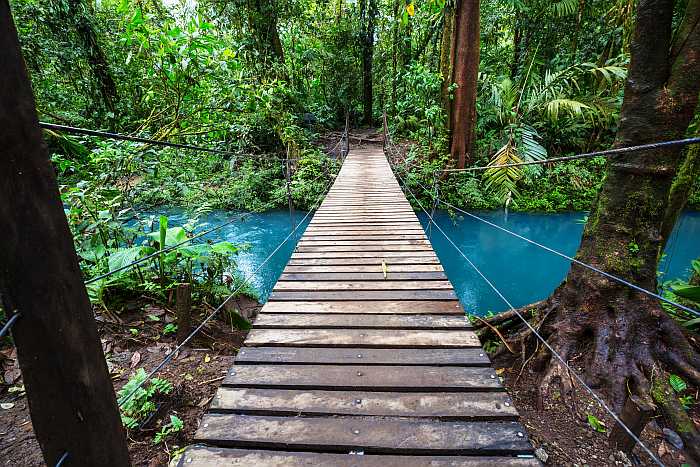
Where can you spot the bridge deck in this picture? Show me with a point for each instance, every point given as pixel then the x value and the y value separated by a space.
pixel 345 366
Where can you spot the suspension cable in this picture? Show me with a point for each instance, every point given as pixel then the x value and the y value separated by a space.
pixel 240 217
pixel 534 331
pixel 574 260
pixel 607 152
pixel 247 279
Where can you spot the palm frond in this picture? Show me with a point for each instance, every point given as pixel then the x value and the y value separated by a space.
pixel 564 7
pixel 503 180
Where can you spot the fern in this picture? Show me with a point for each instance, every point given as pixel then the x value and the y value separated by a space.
pixel 564 7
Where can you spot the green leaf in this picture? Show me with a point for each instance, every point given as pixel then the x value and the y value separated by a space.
pixel 677 383
pixel 224 248
pixel 170 237
pixel 596 424
pixel 123 257
pixel 691 292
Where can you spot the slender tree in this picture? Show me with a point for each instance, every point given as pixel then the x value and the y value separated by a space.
pixel 465 72
pixel 632 343
pixel 368 15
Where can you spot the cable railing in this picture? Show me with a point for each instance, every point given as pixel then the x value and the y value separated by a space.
pixel 245 282
pixel 532 329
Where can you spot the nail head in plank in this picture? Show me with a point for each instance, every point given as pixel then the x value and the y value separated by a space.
pixel 373 435
pixel 443 405
pixel 350 321
pixel 201 456
pixel 364 356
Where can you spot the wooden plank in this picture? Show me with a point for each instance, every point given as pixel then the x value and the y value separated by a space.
pixel 363 276
pixel 364 248
pixel 379 307
pixel 313 242
pixel 388 235
pixel 364 254
pixel 343 434
pixel 365 295
pixel 301 286
pixel 359 269
pixel 200 456
pixel 344 261
pixel 360 377
pixel 352 321
pixel 362 338
pixel 354 356
pixel 442 405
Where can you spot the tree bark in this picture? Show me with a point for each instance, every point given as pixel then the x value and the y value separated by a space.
pixel 624 336
pixel 466 72
pixel 262 19
pixel 447 61
pixel 70 394
pixel 368 14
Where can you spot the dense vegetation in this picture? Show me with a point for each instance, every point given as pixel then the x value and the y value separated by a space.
pixel 269 83
pixel 255 79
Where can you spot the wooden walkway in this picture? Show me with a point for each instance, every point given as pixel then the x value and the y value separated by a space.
pixel 363 355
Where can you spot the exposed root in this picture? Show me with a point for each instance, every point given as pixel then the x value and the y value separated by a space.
pixel 620 355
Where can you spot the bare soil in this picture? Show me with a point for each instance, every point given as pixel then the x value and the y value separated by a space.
pixel 561 429
pixel 563 432
pixel 196 372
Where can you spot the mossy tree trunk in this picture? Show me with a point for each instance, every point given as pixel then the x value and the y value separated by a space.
pixel 368 15
pixel 624 338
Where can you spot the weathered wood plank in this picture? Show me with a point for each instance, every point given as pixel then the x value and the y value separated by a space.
pixel 443 405
pixel 355 356
pixel 363 276
pixel 352 321
pixel 306 241
pixel 344 261
pixel 361 377
pixel 365 295
pixel 379 307
pixel 363 248
pixel 365 254
pixel 362 338
pixel 343 434
pixel 301 286
pixel 199 456
pixel 359 269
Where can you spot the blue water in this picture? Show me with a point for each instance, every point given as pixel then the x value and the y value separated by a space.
pixel 524 273
pixel 262 232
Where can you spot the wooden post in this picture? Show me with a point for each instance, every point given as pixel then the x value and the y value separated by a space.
pixel 72 403
pixel 635 415
pixel 183 304
pixel 288 176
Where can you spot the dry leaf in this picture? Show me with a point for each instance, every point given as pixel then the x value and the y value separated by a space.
pixel 135 359
pixel 7 405
pixel 207 358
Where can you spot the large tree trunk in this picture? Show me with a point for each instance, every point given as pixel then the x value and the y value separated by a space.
pixel 466 72
pixel 368 14
pixel 625 338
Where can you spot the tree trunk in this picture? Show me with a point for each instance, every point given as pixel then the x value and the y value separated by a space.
pixel 69 391
pixel 447 61
pixel 625 337
pixel 262 19
pixel 466 72
pixel 368 14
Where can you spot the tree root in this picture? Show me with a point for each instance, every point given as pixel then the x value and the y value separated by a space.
pixel 620 357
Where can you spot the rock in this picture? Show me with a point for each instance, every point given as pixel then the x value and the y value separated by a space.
pixel 542 455
pixel 622 457
pixel 611 458
pixel 673 438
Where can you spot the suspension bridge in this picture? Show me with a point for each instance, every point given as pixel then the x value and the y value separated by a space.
pixel 363 354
